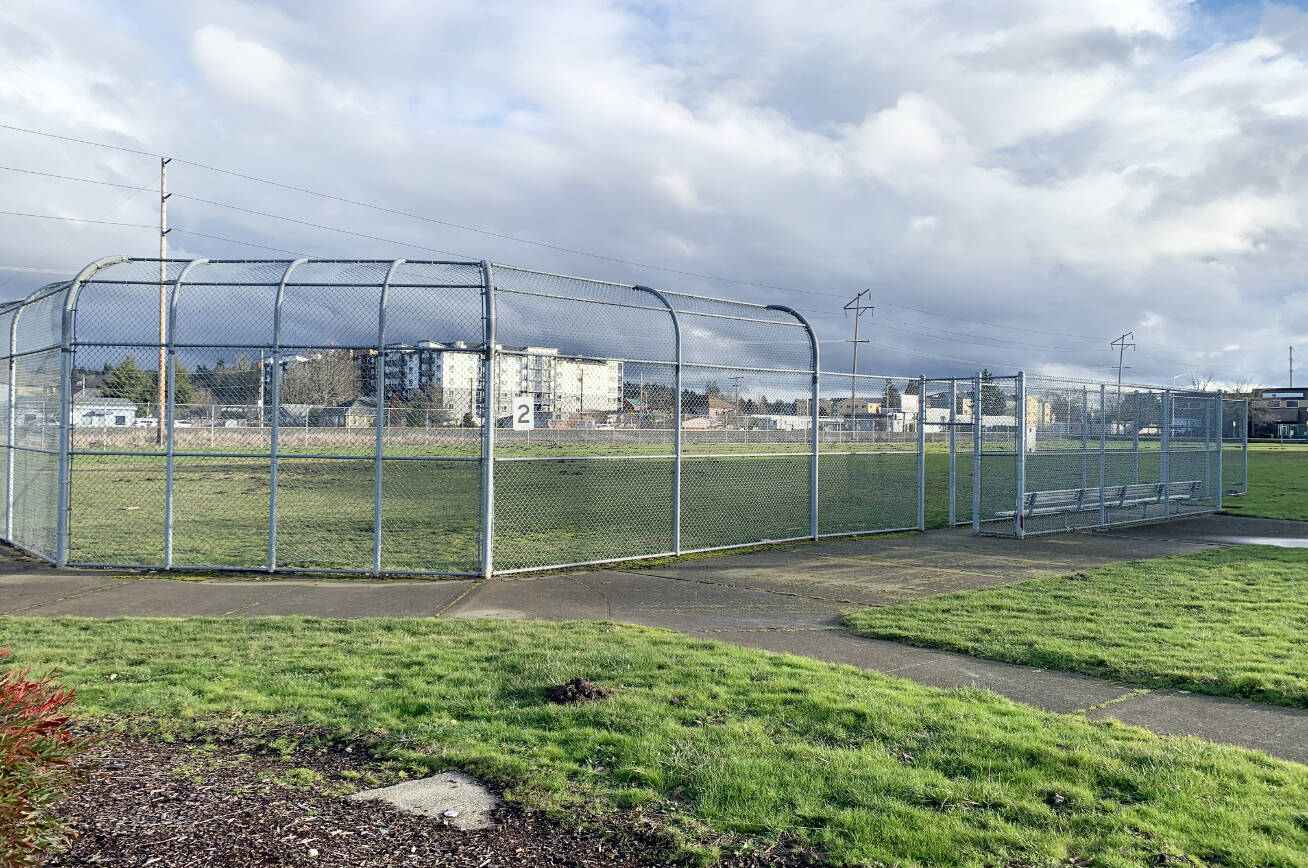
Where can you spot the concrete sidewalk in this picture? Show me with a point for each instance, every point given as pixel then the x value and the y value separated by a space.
pixel 788 600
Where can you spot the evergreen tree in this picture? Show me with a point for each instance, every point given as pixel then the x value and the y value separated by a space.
pixel 127 380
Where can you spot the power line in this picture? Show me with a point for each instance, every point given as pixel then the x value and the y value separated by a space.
pixel 503 236
pixel 321 226
pixel 68 177
pixel 76 219
pixel 991 324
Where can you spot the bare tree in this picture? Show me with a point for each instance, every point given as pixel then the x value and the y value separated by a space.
pixel 1244 386
pixel 1201 382
pixel 327 378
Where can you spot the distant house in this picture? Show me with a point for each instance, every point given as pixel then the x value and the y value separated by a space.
pixel 1278 412
pixel 97 411
pixel 359 413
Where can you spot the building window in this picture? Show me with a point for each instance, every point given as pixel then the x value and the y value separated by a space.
pixel 1291 403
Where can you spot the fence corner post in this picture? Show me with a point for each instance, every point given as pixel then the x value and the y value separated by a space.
pixel 978 420
pixel 921 452
pixel 1165 459
pixel 1221 445
pixel 488 422
pixel 1019 481
pixel 1103 454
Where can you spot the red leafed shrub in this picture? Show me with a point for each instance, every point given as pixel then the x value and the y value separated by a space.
pixel 37 745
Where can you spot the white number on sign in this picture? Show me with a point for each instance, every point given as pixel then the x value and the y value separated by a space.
pixel 524 415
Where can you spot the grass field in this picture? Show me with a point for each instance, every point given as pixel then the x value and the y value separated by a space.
pixel 547 511
pixel 709 739
pixel 555 509
pixel 1278 483
pixel 1229 622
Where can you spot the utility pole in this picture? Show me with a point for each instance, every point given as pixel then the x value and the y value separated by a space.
pixel 162 392
pixel 858 307
pixel 1122 344
pixel 1291 367
pixel 735 382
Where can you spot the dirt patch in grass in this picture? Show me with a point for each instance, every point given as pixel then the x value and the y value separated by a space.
pixel 577 690
pixel 241 801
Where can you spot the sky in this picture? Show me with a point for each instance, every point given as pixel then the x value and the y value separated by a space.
pixel 1016 183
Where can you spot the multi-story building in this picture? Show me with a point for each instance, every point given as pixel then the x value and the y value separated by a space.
pixel 449 376
pixel 1278 412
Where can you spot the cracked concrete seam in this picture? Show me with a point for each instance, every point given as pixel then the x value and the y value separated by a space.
pixel 1132 694
pixel 94 590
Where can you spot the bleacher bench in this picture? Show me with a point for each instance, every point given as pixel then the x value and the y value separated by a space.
pixel 1115 497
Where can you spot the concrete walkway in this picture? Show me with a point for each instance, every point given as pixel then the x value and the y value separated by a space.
pixel 787 600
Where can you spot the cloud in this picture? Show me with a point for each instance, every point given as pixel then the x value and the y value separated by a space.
pixel 1050 174
pixel 244 69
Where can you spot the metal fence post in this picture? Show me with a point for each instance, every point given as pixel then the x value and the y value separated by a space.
pixel 1085 436
pixel 1165 458
pixel 921 452
pixel 12 404
pixel 1103 454
pixel 1221 426
pixel 953 452
pixel 274 443
pixel 1019 519
pixel 488 423
pixel 171 411
pixel 815 439
pixel 676 418
pixel 63 483
pixel 1244 450
pixel 978 421
pixel 379 446
pixel 1135 442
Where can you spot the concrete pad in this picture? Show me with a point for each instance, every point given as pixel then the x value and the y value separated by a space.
pixel 876 571
pixel 1062 692
pixel 1281 732
pixel 23 592
pixel 158 598
pixel 1226 530
pixel 439 796
pixel 640 598
pixel 332 599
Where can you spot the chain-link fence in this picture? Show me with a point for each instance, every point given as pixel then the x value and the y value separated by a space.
pixel 1235 446
pixel 1073 454
pixel 464 418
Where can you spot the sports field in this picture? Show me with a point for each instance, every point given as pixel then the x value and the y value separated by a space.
pixel 549 510
pixel 555 502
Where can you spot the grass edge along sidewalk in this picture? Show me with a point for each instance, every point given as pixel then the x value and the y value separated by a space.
pixel 1227 622
pixel 712 739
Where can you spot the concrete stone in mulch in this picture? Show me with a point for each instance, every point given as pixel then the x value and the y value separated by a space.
pixel 451 797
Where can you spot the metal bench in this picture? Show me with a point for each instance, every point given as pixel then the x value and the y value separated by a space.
pixel 1071 500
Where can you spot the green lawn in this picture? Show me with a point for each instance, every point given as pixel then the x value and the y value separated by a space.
pixel 709 739
pixel 1230 622
pixel 547 511
pixel 552 511
pixel 1278 483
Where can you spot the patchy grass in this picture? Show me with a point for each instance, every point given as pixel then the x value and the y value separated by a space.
pixel 1229 622
pixel 1278 482
pixel 710 738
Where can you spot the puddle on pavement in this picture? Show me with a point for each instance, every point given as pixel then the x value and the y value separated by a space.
pixel 1280 542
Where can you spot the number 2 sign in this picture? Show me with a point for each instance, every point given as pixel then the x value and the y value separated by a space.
pixel 524 414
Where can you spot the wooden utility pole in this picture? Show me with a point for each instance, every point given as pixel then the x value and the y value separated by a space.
pixel 1122 344
pixel 162 392
pixel 858 307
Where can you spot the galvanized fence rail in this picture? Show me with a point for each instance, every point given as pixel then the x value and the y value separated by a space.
pixel 464 418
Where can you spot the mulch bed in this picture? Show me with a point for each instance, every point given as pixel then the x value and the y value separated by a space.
pixel 225 801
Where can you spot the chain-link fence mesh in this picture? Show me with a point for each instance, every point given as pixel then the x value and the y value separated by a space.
pixel 456 417
pixel 1089 455
pixel 1235 446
